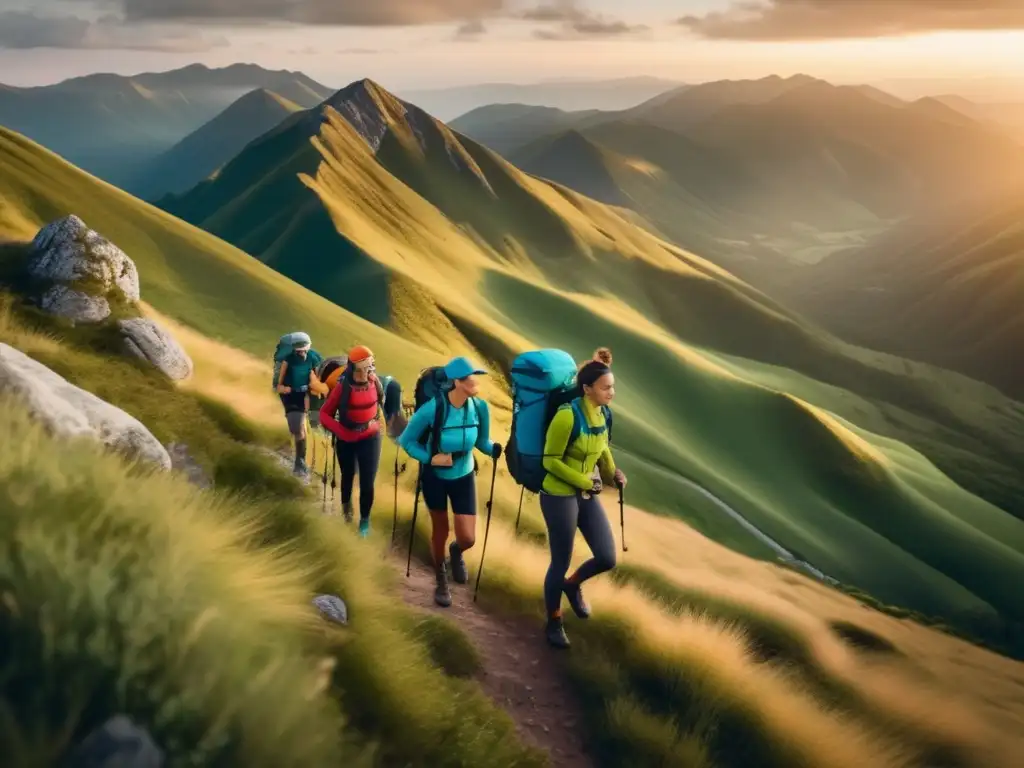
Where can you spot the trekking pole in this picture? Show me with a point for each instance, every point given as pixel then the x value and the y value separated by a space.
pixel 412 530
pixel 398 471
pixel 487 530
pixel 334 466
pixel 622 515
pixel 519 514
pixel 324 480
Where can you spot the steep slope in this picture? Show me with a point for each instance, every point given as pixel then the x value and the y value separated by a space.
pixel 121 123
pixel 713 375
pixel 946 289
pixel 206 149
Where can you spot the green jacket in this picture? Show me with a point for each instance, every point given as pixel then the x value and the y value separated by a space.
pixel 570 468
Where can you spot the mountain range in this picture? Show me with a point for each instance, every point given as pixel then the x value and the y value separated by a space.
pixel 612 94
pixel 760 174
pixel 897 477
pixel 123 124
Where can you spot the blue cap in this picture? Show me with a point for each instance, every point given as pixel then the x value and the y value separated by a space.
pixel 461 367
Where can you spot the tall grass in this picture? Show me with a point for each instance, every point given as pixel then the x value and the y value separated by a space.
pixel 133 592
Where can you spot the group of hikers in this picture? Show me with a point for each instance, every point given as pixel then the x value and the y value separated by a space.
pixel 559 448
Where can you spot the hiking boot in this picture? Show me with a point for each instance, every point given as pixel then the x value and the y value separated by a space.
pixel 442 595
pixel 364 527
pixel 555 633
pixel 459 571
pixel 574 593
pixel 300 469
pixel 347 510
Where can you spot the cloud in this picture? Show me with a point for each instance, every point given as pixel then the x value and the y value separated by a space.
pixel 23 30
pixel 369 13
pixel 829 19
pixel 575 23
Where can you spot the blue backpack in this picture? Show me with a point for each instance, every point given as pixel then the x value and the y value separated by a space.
pixel 433 384
pixel 542 381
pixel 285 346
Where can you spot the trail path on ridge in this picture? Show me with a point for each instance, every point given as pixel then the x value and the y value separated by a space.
pixel 520 672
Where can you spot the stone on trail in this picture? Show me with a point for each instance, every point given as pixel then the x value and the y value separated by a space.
pixel 69 411
pixel 332 608
pixel 118 743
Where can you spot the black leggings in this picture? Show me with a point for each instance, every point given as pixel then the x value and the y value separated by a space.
pixel 563 515
pixel 365 453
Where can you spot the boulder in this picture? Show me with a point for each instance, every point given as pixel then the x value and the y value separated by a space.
pixel 81 271
pixel 61 300
pixel 69 411
pixel 118 743
pixel 147 340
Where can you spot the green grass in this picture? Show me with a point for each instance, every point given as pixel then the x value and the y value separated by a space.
pixel 191 614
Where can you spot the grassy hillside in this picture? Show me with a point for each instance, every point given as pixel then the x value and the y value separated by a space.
pixel 206 149
pixel 191 613
pixel 123 123
pixel 705 659
pixel 714 376
pixel 943 289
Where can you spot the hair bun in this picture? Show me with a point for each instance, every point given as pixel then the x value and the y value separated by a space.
pixel 603 355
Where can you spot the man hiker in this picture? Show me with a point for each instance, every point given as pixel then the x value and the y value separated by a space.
pixel 297 378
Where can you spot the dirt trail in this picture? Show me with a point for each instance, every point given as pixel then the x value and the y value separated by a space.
pixel 520 672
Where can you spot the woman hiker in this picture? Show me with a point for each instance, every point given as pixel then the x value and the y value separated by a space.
pixel 448 476
pixel 352 414
pixel 569 497
pixel 295 381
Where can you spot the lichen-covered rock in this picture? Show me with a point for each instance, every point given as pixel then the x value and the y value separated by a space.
pixel 80 270
pixel 61 300
pixel 146 339
pixel 69 411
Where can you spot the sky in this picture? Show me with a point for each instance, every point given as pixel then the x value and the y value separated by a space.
pixel 435 43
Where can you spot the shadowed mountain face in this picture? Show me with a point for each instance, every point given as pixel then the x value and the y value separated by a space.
pixel 945 289
pixel 123 123
pixel 205 150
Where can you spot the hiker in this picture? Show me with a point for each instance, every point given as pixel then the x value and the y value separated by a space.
pixel 296 378
pixel 351 414
pixel 447 465
pixel 569 498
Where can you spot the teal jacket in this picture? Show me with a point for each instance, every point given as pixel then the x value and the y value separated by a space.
pixel 463 430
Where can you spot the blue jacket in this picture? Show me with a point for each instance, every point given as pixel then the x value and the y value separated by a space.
pixel 464 428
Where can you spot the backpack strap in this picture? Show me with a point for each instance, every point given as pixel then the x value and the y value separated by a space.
pixel 341 415
pixel 440 412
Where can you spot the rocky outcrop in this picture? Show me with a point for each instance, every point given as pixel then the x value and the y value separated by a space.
pixel 81 272
pixel 69 411
pixel 145 339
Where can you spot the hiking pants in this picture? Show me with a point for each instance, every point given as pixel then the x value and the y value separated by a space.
pixel 365 454
pixel 563 515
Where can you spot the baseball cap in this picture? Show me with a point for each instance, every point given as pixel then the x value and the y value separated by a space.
pixel 359 353
pixel 461 367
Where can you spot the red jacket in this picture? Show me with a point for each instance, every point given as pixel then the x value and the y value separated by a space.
pixel 363 407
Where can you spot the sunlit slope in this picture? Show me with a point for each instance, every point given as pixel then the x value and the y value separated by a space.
pixel 186 273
